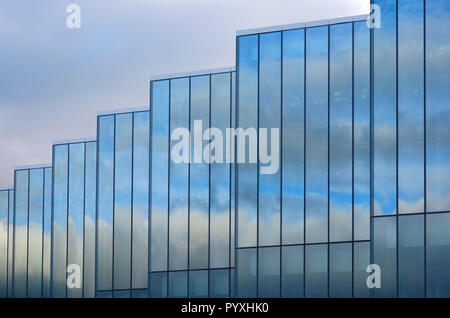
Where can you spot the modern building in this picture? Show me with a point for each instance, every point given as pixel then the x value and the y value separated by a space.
pixel 357 135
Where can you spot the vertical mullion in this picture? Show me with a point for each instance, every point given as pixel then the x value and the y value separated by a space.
pixel 257 171
pixel 132 199
pixel 396 143
pixel 280 142
pixel 304 162
pixel 353 156
pixel 168 190
pixel 189 195
pixel 328 145
pixel 425 143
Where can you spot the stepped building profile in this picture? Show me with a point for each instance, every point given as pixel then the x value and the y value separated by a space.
pixel 363 176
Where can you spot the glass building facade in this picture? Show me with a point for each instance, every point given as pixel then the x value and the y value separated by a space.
pixel 74 217
pixel 358 118
pixel 123 203
pixel 192 202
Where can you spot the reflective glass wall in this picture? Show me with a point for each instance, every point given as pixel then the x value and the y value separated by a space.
pixel 303 229
pixel 411 188
pixel 74 219
pixel 122 204
pixel 31 235
pixel 6 204
pixel 192 202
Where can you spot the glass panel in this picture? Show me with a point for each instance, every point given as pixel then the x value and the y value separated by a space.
pixel 269 117
pixel 233 176
pixel 122 201
pixel 341 270
pixel 437 109
pixel 341 83
pixel 139 293
pixel 178 209
pixel 35 226
pixel 47 252
pixel 232 283
pixel 158 285
pixel 246 272
pixel 199 175
pixel 293 136
pixel 159 175
pixel 219 283
pixel 105 202
pixel 361 132
pixel 89 219
pixel 21 233
pixel 269 272
pixel 316 271
pixel 121 294
pixel 411 262
pixel 219 231
pixel 410 107
pixel 59 229
pixel 76 211
pixel 104 294
pixel 198 284
pixel 141 158
pixel 178 284
pixel 247 117
pixel 4 198
pixel 385 254
pixel 292 279
pixel 317 134
pixel 361 259
pixel 384 110
pixel 438 255
pixel 10 243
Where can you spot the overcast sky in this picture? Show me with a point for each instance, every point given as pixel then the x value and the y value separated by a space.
pixel 54 80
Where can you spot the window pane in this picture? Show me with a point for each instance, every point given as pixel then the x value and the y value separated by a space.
pixel 21 233
pixel 361 259
pixel 76 211
pixel 105 202
pixel 247 117
pixel 341 132
pixel 47 234
pixel 293 136
pixel 3 242
pixel 411 261
pixel 122 200
pixel 246 274
pixel 269 117
pixel 178 209
pixel 361 131
pixel 89 219
pixel 199 175
pixel 219 283
pixel 437 109
pixel 121 294
pixel 139 293
pixel 178 284
pixel 59 228
pixel 159 175
pixel 384 111
pixel 292 279
pixel 385 254
pixel 438 255
pixel 233 177
pixel 220 176
pixel 198 284
pixel 316 271
pixel 10 243
pixel 341 270
pixel 141 158
pixel 269 272
pixel 317 134
pixel 158 285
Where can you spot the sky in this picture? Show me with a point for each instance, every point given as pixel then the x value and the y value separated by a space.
pixel 54 80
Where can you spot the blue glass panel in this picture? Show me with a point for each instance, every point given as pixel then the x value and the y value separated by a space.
pixel 292 146
pixel 104 294
pixel 317 134
pixel 10 243
pixel 139 293
pixel 361 131
pixel 384 110
pixel 47 235
pixel 269 272
pixel 159 175
pixel 438 255
pixel 269 118
pixel 411 257
pixel 199 175
pixel 341 270
pixel 158 285
pixel 341 83
pixel 246 272
pixel 4 204
pixel 178 206
pixel 198 284
pixel 361 259
pixel 121 294
pixel 178 284
pixel 141 156
pixel 247 117
pixel 233 177
pixel 292 273
pixel 316 271
pixel 437 105
pixel 21 233
pixel 385 254
pixel 219 283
